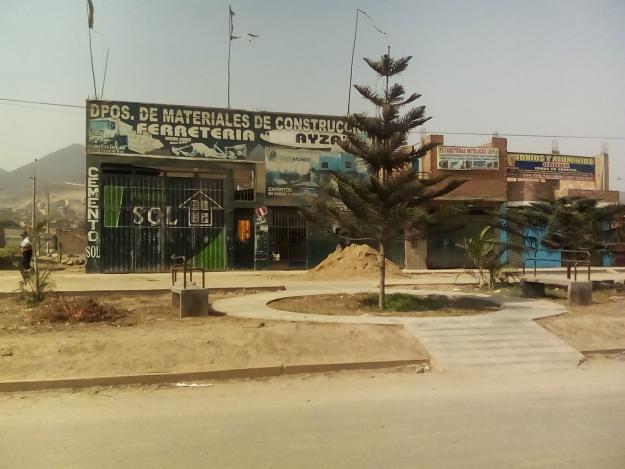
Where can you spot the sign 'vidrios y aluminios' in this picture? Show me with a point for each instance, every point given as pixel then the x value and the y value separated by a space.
pixel 546 166
pixel 127 128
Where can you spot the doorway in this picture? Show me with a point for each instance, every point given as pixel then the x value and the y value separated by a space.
pixel 243 243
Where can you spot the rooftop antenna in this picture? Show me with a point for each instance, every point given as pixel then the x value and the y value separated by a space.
pixel 604 147
pixel 351 67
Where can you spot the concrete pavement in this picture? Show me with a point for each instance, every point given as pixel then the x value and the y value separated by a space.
pixel 569 419
pixel 82 282
pixel 71 281
pixel 504 340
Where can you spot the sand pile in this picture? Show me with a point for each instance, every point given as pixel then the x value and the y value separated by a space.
pixel 355 261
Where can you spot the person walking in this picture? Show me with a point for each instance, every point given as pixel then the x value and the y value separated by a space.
pixel 27 252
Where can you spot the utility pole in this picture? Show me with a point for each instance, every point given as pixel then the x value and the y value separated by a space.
pixel 32 234
pixel 34 178
pixel 47 223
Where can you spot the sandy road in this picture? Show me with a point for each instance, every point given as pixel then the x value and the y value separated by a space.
pixel 383 419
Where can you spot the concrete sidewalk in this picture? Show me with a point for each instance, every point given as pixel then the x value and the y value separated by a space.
pixel 82 282
pixel 74 282
pixel 503 340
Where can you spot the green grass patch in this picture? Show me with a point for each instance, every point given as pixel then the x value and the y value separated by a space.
pixel 397 304
pixel 402 302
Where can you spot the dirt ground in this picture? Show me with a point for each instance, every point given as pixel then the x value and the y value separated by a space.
pixel 152 338
pixel 356 260
pixel 352 305
pixel 595 327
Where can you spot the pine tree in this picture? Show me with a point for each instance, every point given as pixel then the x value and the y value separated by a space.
pixel 391 202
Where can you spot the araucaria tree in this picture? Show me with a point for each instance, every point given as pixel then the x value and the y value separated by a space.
pixel 390 202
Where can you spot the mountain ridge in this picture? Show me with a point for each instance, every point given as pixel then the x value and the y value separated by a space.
pixel 52 172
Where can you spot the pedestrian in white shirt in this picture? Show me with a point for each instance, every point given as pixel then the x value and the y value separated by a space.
pixel 27 251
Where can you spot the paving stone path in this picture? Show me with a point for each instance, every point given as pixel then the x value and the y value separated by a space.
pixel 505 340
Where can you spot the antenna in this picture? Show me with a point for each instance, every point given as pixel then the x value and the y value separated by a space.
pixel 555 150
pixel 604 147
pixel 496 133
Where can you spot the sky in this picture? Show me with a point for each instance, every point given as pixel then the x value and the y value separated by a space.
pixel 513 67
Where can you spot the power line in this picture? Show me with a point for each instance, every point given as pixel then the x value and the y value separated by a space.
pixel 440 132
pixel 50 109
pixel 25 101
pixel 504 134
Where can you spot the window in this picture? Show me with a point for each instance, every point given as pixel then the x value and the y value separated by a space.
pixel 348 164
pixel 244 230
pixel 324 165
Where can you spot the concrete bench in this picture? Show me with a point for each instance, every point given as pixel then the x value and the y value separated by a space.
pixel 192 300
pixel 578 293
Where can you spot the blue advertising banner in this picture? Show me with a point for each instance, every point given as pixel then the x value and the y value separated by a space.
pixel 546 166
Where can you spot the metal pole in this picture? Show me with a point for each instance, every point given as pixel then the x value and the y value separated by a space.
pixel 229 46
pixel 34 196
pixel 95 89
pixel 351 68
pixel 106 66
pixel 33 240
pixel 230 31
pixel 47 223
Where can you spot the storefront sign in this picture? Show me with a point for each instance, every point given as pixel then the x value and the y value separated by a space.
pixel 126 128
pixel 546 166
pixel 468 158
pixel 300 172
pixel 93 213
pixel 261 237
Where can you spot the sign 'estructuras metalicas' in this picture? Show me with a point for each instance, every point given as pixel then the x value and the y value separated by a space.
pixel 127 128
pixel 546 166
pixel 468 158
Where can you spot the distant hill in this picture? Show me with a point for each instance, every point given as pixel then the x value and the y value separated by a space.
pixel 3 171
pixel 53 171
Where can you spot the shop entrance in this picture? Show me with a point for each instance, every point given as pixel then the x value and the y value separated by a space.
pixel 148 218
pixel 287 238
pixel 243 243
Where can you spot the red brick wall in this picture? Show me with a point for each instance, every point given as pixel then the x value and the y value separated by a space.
pixel 482 184
pixel 531 190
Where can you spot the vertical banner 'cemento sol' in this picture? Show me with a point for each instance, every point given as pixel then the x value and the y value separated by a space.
pixel 92 252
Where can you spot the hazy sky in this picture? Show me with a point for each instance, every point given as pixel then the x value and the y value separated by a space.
pixel 526 66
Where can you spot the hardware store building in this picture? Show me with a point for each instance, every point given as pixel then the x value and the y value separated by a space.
pixel 221 187
pixel 218 186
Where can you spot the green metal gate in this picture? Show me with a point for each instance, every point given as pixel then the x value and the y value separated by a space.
pixel 147 219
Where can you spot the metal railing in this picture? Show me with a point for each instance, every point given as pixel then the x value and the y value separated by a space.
pixel 179 264
pixel 568 263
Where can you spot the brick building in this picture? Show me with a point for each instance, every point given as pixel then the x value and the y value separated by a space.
pixel 500 179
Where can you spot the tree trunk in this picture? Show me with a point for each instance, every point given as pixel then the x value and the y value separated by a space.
pixel 382 266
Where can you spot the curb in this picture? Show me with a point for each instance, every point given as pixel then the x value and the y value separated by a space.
pixel 606 351
pixel 239 373
pixel 155 291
